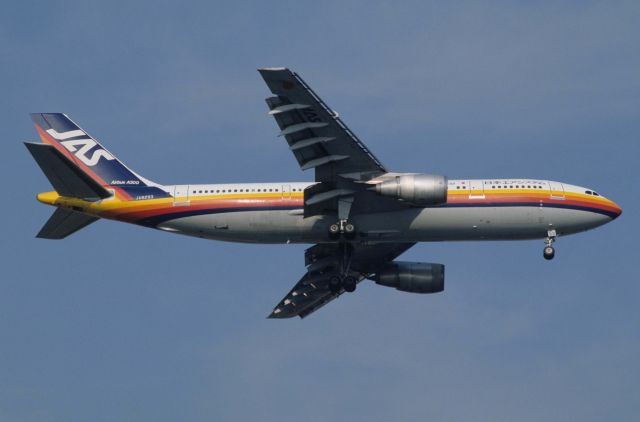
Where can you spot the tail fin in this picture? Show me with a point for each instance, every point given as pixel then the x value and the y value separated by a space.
pixel 63 223
pixel 91 158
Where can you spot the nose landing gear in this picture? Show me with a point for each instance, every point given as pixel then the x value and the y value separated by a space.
pixel 549 252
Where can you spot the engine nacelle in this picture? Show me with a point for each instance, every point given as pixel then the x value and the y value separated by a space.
pixel 417 189
pixel 412 277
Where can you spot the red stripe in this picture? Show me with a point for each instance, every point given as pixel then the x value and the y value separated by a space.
pixel 129 214
pixel 540 198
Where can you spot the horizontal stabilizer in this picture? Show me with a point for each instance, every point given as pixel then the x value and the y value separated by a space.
pixel 63 223
pixel 65 177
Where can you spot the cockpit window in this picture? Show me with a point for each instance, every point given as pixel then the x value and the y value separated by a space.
pixel 588 192
pixel 595 194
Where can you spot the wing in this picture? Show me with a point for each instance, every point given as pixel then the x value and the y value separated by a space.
pixel 324 261
pixel 320 140
pixel 316 135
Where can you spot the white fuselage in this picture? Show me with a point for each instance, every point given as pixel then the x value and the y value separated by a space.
pixel 490 209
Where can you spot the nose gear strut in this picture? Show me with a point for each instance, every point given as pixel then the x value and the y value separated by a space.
pixel 549 252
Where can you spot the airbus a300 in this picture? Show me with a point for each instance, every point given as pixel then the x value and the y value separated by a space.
pixel 358 215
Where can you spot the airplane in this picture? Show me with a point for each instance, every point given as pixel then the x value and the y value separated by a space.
pixel 358 215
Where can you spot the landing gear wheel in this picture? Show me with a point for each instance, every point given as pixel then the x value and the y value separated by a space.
pixel 334 284
pixel 349 284
pixel 334 230
pixel 349 230
pixel 548 252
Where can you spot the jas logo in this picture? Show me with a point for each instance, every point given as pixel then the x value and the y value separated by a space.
pixel 81 147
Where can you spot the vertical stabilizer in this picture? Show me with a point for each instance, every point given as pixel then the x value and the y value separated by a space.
pixel 93 159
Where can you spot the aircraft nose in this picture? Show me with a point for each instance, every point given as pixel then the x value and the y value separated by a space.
pixel 617 210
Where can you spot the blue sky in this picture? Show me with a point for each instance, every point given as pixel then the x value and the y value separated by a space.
pixel 123 323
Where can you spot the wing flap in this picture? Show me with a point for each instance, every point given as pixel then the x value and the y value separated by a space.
pixel 288 107
pixel 307 124
pixel 312 292
pixel 305 298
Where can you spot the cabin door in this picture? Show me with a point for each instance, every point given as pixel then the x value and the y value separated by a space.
pixel 556 190
pixel 181 195
pixel 476 189
pixel 286 191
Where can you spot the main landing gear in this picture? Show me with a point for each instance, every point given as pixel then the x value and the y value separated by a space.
pixel 347 283
pixel 342 227
pixel 549 252
pixel 343 280
pixel 343 230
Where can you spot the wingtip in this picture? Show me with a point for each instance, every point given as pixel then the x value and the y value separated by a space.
pixel 278 313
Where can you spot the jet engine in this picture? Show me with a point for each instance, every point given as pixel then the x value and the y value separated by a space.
pixel 412 277
pixel 417 189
